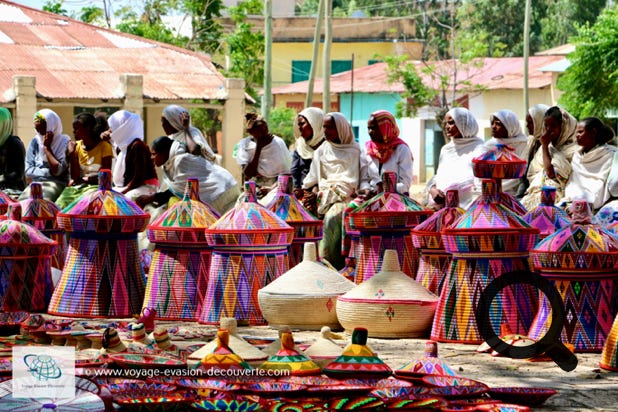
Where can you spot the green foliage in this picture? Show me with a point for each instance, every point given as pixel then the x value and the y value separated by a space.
pixel 281 123
pixel 417 94
pixel 206 28
pixel 91 15
pixel 590 84
pixel 150 23
pixel 208 121
pixel 54 6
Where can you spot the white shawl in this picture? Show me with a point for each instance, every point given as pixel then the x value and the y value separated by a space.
pixel 60 141
pixel 125 127
pixel 275 158
pixel 589 174
pixel 315 117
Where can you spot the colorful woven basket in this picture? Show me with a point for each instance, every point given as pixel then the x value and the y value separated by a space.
pixel 581 260
pixel 178 275
pixel 223 357
pixel 427 237
pixel 384 222
pixel 307 228
pixel 609 356
pixel 505 199
pixel 41 213
pixel 5 201
pixel 499 163
pixel 25 271
pixel 488 240
pixel 546 216
pixel 289 359
pixel 428 364
pixel 305 296
pixel 389 304
pixel 102 275
pixel 250 250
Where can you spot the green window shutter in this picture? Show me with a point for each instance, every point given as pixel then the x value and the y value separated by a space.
pixel 300 70
pixel 338 66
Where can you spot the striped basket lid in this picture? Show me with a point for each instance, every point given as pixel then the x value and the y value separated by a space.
pixel 501 162
pixel 580 245
pixel 223 357
pixel 309 278
pixel 427 234
pixel 289 359
pixel 186 220
pixel 489 226
pixel 505 199
pixel 103 211
pixel 547 217
pixel 37 211
pixel 388 209
pixel 5 201
pixel 18 239
pixel 249 224
pixel 285 205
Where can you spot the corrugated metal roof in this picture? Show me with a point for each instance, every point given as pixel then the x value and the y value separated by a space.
pixel 489 73
pixel 74 60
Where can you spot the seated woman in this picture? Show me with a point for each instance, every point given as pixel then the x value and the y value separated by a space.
pixel 263 156
pixel 134 172
pixel 385 152
pixel 87 155
pixel 455 163
pixel 46 157
pixel 217 186
pixel 332 182
pixel 591 164
pixel 176 123
pixel 309 136
pixel 12 158
pixel 506 130
pixel 551 164
pixel 534 126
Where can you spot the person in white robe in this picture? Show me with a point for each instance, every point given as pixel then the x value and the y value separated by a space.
pixel 455 163
pixel 176 122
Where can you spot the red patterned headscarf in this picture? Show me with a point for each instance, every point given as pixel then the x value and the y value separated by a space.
pixel 390 134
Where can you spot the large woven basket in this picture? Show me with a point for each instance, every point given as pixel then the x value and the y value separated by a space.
pixel 499 163
pixel 389 305
pixel 305 296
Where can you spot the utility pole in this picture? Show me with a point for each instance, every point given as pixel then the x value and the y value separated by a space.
pixel 328 39
pixel 526 52
pixel 314 58
pixel 268 55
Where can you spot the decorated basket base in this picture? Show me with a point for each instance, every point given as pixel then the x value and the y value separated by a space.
pixel 432 270
pixel 370 251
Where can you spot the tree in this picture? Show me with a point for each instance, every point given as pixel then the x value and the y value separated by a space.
pixel 281 123
pixel 590 84
pixel 205 25
pixel 54 6
pixel 416 94
pixel 149 24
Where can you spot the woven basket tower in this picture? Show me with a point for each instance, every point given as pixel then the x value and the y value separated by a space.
pixel 389 304
pixel 581 260
pixel 434 261
pixel 178 275
pixel 547 217
pixel 25 271
pixel 609 356
pixel 385 222
pixel 305 296
pixel 249 250
pixel 102 275
pixel 487 241
pixel 41 213
pixel 307 228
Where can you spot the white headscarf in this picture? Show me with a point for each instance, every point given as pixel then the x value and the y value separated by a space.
pixel 315 117
pixel 588 178
pixel 125 127
pixel 172 115
pixel 54 125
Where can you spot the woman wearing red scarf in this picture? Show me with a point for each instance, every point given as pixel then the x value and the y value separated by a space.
pixel 385 152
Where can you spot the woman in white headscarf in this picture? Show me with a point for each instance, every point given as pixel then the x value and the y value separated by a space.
pixel 551 163
pixel 309 136
pixel 133 172
pixel 332 181
pixel 176 122
pixel 455 164
pixel 46 158
pixel 506 130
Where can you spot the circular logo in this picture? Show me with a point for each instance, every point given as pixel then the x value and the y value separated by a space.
pixel 42 367
pixel 549 344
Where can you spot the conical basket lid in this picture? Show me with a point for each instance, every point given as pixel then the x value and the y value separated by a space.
pixel 285 205
pixel 186 220
pixel 428 364
pixel 309 277
pixel 223 357
pixel 546 217
pixel 357 360
pixel 104 211
pixel 324 346
pixel 390 284
pixel 499 163
pixel 289 359
pixel 238 345
pixel 21 239
pixel 37 211
pixel 5 201
pixel 249 224
pixel 427 234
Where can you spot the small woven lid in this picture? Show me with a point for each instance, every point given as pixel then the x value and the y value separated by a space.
pixel 500 162
pixel 324 346
pixel 223 357
pixel 186 220
pixel 580 245
pixel 285 205
pixel 427 234
pixel 237 344
pixel 388 209
pixel 289 359
pixel 37 211
pixel 309 277
pixel 112 342
pixel 21 239
pixel 358 360
pixel 546 217
pixel 249 224
pixel 428 364
pixel 103 211
pixel 390 284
